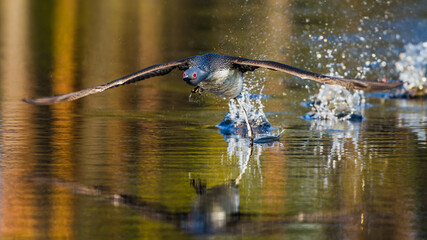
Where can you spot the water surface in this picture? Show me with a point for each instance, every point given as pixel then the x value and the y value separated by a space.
pixel 146 161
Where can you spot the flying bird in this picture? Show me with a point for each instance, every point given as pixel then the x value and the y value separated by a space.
pixel 221 75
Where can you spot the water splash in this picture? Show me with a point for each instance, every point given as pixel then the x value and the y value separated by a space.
pixel 412 68
pixel 234 121
pixel 336 103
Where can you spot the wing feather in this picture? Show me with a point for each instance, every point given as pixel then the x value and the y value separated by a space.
pixel 152 71
pixel 249 65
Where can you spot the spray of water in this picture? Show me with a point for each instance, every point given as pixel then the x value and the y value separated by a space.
pixel 336 103
pixel 234 122
pixel 412 68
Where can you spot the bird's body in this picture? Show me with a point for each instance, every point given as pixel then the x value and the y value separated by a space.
pixel 226 83
pixel 221 75
pixel 223 78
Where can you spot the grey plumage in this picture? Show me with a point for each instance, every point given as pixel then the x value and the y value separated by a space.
pixel 221 75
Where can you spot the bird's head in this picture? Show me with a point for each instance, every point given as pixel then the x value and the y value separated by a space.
pixel 194 76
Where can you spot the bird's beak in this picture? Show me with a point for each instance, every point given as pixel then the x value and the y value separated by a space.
pixel 187 80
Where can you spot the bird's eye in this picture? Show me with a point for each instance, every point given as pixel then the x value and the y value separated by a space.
pixel 194 75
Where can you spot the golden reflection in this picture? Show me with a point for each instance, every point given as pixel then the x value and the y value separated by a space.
pixel 64 31
pixel 151 38
pixel 17 213
pixel 278 29
pixel 275 178
pixel 64 45
pixel 64 49
pixel 101 56
pixel 275 174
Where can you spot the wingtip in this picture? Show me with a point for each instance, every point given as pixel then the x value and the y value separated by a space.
pixel 37 101
pixel 28 100
pixel 386 85
pixel 395 83
pixel 399 83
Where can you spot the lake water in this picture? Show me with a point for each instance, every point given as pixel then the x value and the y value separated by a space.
pixel 147 161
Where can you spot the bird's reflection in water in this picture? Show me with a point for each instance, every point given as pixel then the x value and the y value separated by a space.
pixel 216 209
pixel 213 209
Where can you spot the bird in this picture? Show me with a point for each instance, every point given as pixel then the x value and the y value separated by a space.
pixel 219 74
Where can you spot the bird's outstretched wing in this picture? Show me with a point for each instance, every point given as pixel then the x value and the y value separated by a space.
pixel 249 65
pixel 155 70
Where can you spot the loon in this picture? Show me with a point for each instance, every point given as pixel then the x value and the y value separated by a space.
pixel 218 74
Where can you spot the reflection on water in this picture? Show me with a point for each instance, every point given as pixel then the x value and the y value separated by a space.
pixel 341 133
pixel 213 209
pixel 117 165
pixel 413 116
